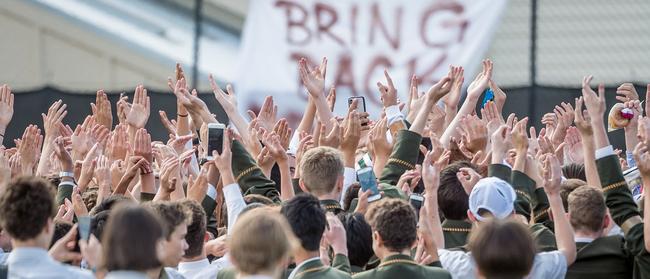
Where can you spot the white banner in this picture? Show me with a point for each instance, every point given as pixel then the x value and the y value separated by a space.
pixel 360 40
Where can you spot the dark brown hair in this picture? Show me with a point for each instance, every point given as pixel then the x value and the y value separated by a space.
pixel 196 230
pixel 131 237
pixel 172 214
pixel 502 249
pixel 26 205
pixel 394 220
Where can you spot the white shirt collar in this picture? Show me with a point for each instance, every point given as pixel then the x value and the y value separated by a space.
pixel 192 265
pixel 583 239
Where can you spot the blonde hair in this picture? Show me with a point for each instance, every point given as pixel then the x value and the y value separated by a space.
pixel 261 239
pixel 320 169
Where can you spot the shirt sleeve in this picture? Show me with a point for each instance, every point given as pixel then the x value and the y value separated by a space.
pixel 551 265
pixel 349 177
pixel 234 203
pixel 604 152
pixel 458 263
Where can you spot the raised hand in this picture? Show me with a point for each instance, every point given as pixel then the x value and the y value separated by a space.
pixel 457 75
pixel 170 125
pixel 102 110
pixel 573 150
pixel 139 113
pixel 331 98
pixel 228 101
pixel 519 135
pixel 552 174
pixel 351 134
pixel 388 92
pixel 333 139
pixel 313 80
pixel 119 143
pixel 197 188
pixel 178 143
pixel 81 138
pixel 335 235
pixel 380 145
pixel 582 119
pixel 439 90
pixel 564 114
pixel 104 179
pixel 6 107
pixel 474 134
pixel 29 149
pixel 282 129
pixel 501 142
pixel 492 117
pixel 642 158
pixel 468 177
pixel 274 147
pixel 52 121
pixel 626 92
pixel 480 83
pixel 123 108
pixel 499 95
pixel 223 161
pixel 595 103
pixel 142 145
pixel 415 100
pixel 267 115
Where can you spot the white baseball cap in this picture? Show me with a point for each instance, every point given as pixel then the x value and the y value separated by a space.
pixel 494 195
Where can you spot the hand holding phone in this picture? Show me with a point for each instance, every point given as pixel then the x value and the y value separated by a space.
pixel 215 138
pixel 368 181
pixel 361 102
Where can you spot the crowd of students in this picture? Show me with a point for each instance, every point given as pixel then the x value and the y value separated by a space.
pixel 463 193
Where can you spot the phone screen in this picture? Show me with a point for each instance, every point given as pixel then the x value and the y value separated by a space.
pixel 489 96
pixel 368 181
pixel 215 140
pixel 361 103
pixel 83 225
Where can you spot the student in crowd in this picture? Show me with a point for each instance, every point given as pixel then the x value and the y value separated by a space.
pixel 26 213
pixel 175 218
pixel 133 243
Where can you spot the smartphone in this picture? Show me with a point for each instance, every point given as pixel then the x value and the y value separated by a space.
pixel 368 181
pixel 215 138
pixel 364 162
pixel 361 102
pixel 83 227
pixel 416 200
pixel 489 96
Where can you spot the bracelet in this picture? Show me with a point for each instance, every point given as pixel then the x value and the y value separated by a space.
pixel 183 115
pixel 145 173
pixel 66 174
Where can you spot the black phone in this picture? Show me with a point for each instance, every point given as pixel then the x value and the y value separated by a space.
pixel 361 102
pixel 416 200
pixel 215 138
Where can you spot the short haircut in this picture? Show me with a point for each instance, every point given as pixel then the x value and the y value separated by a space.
pixel 566 187
pixel 359 238
pixel 26 206
pixel 574 170
pixel 196 230
pixel 108 203
pixel 60 230
pixel 394 220
pixel 131 238
pixel 172 215
pixel 306 218
pixel 98 223
pixel 257 198
pixel 587 209
pixel 502 243
pixel 452 198
pixel 320 169
pixel 261 239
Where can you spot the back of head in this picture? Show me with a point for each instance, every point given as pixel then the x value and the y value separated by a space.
pixel 172 215
pixel 394 220
pixel 196 230
pixel 109 203
pixel 350 194
pixel 492 197
pixel 574 170
pixel 60 230
pixel 567 186
pixel 306 218
pixel 587 209
pixel 320 169
pixel 256 198
pixel 502 249
pixel 26 205
pixel 359 238
pixel 261 241
pixel 452 198
pixel 131 239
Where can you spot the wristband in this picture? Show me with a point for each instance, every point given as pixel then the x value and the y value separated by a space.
pixel 66 174
pixel 183 115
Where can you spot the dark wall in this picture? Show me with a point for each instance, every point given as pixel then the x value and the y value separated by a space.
pixel 30 105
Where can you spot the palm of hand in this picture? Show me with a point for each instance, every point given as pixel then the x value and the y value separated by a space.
pixel 6 113
pixel 137 116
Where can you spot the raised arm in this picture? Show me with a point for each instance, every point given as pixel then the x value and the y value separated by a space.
pixel 564 237
pixel 314 82
pixel 6 109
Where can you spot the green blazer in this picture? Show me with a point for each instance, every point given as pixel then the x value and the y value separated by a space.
pixel 455 232
pixel 603 258
pixel 624 211
pixel 316 269
pixel 404 157
pixel 402 266
pixel 331 206
pixel 250 176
